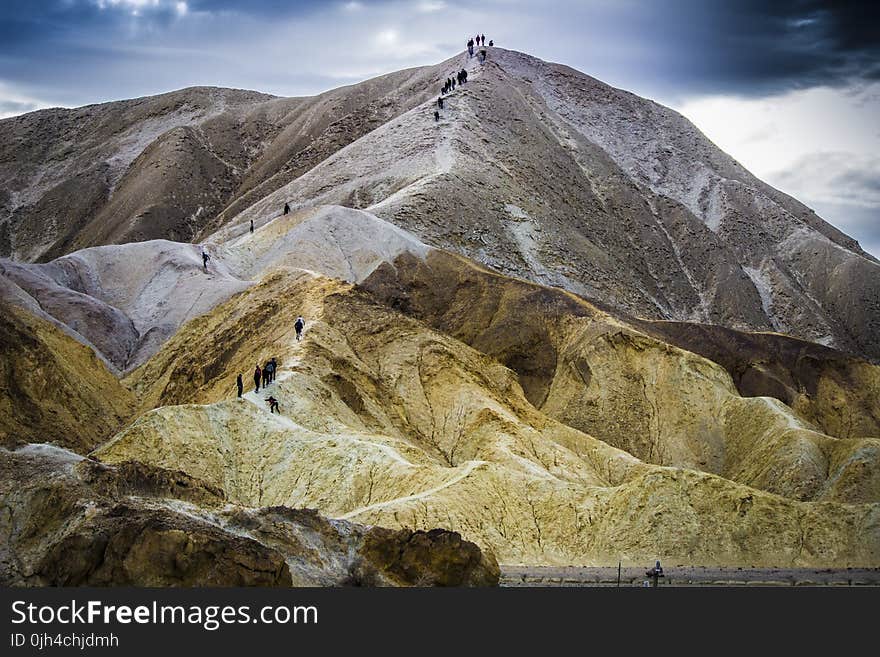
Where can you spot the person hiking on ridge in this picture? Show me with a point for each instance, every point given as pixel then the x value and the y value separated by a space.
pixel 258 376
pixel 240 385
pixel 273 405
pixel 298 326
pixel 205 258
pixel 269 372
pixel 436 118
pixel 252 226
pixel 491 43
pixel 286 208
pixel 440 102
pixel 274 364
pixel 483 39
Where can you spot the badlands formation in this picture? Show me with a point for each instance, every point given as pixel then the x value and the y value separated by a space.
pixel 557 327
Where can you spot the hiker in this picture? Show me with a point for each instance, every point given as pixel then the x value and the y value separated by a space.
pixel 274 364
pixel 440 102
pixel 273 405
pixel 464 75
pixel 482 56
pixel 252 226
pixel 258 376
pixel 268 371
pixel 300 323
pixel 483 39
pixel 286 209
pixel 436 118
pixel 470 45
pixel 205 258
pixel 452 80
pixel 491 43
pixel 240 385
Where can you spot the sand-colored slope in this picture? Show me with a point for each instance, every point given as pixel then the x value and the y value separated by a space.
pixel 54 389
pixel 70 521
pixel 385 421
pixel 833 390
pixel 604 376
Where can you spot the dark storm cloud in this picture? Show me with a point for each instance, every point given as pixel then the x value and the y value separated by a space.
pixel 767 46
pixel 667 49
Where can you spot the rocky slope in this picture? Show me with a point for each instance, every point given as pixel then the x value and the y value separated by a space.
pixel 387 421
pixel 71 522
pixel 490 356
pixel 54 389
pixel 536 170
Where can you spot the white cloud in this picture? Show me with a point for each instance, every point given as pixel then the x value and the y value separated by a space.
pixel 14 102
pixel 430 6
pixel 386 37
pixel 134 5
pixel 820 145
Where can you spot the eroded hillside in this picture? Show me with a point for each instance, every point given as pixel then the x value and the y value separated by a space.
pixel 555 327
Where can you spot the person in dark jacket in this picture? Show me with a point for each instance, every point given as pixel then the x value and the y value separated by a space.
pixel 440 102
pixel 240 384
pixel 205 258
pixel 286 208
pixel 273 405
pixel 300 323
pixel 252 226
pixel 273 369
pixel 258 376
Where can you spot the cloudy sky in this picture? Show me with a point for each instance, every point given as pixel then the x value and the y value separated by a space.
pixel 791 88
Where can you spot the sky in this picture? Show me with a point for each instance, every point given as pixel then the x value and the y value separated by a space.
pixel 790 88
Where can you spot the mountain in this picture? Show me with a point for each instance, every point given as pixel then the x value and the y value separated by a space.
pixel 555 327
pixel 535 170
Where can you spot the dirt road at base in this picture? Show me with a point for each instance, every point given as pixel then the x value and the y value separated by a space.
pixel 517 576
